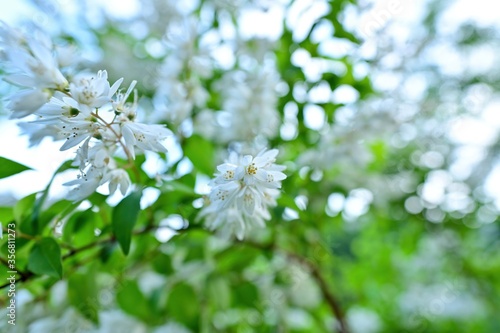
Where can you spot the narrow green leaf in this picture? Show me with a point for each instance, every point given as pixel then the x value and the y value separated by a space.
pixel 45 258
pixel 124 219
pixel 9 168
pixel 201 153
pixel 22 210
pixel 82 294
pixel 41 199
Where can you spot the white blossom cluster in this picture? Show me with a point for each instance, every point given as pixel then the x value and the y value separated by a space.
pixel 180 89
pixel 345 143
pixel 240 105
pixel 242 191
pixel 249 101
pixel 82 109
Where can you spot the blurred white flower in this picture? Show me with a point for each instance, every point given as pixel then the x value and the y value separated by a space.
pixel 117 321
pixel 180 87
pixel 171 327
pixel 31 61
pixel 26 102
pixel 362 320
pixel 248 106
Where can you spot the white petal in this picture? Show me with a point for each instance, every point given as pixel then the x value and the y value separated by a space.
pixel 129 138
pixel 20 80
pixel 73 141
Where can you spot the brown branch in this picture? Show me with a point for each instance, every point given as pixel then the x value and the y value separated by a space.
pixel 327 294
pixel 333 303
pixel 24 276
pixel 330 298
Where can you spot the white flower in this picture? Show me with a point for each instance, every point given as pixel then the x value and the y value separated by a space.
pixel 26 102
pixel 37 132
pixel 120 102
pixel 145 137
pixel 117 177
pixel 93 92
pixel 31 60
pixel 242 191
pixel 99 155
pixel 87 183
pixel 74 111
pixel 171 327
pixel 59 106
pixel 188 62
pixel 98 159
pixel 259 170
pixel 220 220
pixel 10 36
pixel 248 106
pixel 67 55
pixel 77 130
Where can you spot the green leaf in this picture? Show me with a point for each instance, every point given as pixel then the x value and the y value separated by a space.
pixel 219 292
pixel 245 294
pixel 124 219
pixel 183 306
pixel 45 258
pixel 9 168
pixel 6 214
pixel 235 258
pixel 201 153
pixel 41 199
pixel 194 243
pixel 132 301
pixel 177 186
pixel 162 264
pixel 79 230
pixel 82 294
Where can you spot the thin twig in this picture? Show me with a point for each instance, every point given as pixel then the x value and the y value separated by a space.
pixel 124 147
pixel 327 294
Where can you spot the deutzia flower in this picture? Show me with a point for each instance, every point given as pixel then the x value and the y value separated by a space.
pixel 93 91
pixel 242 191
pixel 101 139
pixel 27 101
pixel 59 106
pixel 249 111
pixel 36 66
pixel 143 136
pixel 187 64
pixel 117 177
pixel 88 112
pixel 87 183
pixel 30 63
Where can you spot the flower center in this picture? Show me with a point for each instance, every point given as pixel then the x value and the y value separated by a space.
pixel 252 169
